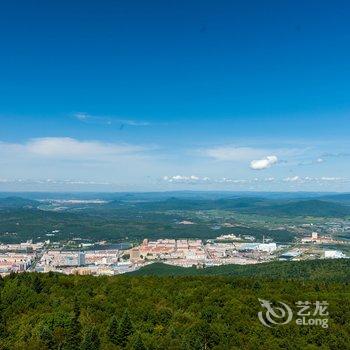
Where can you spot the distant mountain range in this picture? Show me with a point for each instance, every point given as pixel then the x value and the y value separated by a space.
pixel 157 196
pixel 260 206
pixel 342 198
pixel 335 205
pixel 312 207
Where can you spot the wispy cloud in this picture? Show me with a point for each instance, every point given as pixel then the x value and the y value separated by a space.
pixel 291 178
pixel 54 182
pixel 231 153
pixel 335 155
pixel 194 179
pixel 322 158
pixel 186 179
pixel 88 160
pixel 313 161
pixel 310 179
pixel 66 148
pixel 88 118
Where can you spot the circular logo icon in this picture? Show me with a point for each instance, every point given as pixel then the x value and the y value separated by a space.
pixel 274 315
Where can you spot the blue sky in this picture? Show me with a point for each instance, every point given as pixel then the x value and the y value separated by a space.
pixel 158 95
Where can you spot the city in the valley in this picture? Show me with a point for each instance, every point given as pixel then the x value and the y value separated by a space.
pixel 101 258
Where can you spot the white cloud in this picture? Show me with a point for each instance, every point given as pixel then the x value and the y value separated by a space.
pixel 291 179
pixel 309 179
pixel 186 179
pixel 325 178
pixel 193 179
pixel 263 163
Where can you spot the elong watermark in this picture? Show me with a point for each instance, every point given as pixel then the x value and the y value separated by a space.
pixel 308 313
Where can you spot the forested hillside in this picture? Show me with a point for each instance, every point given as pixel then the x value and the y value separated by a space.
pixel 320 270
pixel 51 311
pixel 121 225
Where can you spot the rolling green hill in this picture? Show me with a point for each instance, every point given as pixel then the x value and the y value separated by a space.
pixel 330 270
pixel 341 197
pixel 316 208
pixel 250 205
pixel 311 207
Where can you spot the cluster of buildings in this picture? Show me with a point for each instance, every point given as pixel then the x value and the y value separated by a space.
pixel 95 259
pixel 27 246
pixel 15 262
pixel 186 252
pixel 168 248
pixel 18 257
pixel 317 239
pixel 302 253
pixel 91 262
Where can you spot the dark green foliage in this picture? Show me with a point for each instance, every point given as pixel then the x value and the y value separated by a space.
pixel 37 284
pixel 74 337
pixel 53 330
pixel 125 329
pixel 113 330
pixel 91 339
pixel 138 343
pixel 202 336
pixel 326 270
pixel 2 321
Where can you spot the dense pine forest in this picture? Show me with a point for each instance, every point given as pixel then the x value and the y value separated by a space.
pixel 53 311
